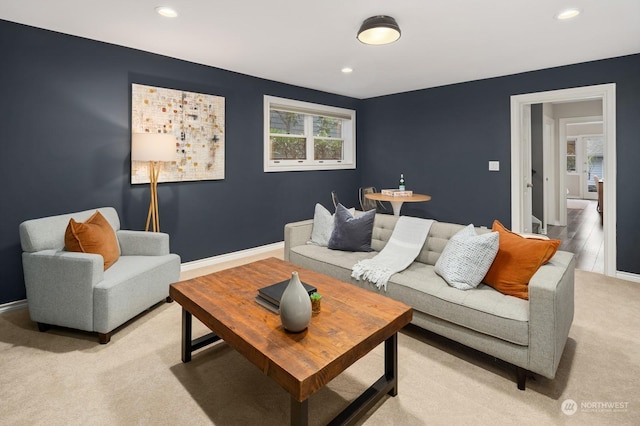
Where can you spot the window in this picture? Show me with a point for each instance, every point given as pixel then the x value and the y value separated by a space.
pixel 571 156
pixel 306 136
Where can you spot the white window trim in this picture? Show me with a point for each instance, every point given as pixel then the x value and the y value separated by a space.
pixel 349 132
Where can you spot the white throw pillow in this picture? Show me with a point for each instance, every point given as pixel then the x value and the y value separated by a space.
pixel 467 257
pixel 323 225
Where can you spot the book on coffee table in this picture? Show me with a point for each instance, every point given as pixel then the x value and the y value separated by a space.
pixel 273 293
pixel 266 304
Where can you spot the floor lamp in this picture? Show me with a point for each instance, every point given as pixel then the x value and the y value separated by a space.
pixel 154 148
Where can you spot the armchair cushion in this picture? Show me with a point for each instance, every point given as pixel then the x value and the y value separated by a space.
pixel 95 235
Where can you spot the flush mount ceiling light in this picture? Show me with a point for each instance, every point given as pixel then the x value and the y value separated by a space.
pixel 346 70
pixel 567 14
pixel 167 12
pixel 378 30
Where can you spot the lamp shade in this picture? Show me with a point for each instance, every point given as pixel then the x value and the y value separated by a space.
pixel 153 147
pixel 379 29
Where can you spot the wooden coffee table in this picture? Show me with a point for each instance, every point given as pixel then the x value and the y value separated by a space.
pixel 353 321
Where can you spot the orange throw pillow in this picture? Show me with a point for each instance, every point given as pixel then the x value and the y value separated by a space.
pixel 93 236
pixel 517 260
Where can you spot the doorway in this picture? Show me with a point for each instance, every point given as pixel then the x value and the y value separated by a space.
pixel 587 154
pixel 521 186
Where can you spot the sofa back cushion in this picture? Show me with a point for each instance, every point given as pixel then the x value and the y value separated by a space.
pixel 48 233
pixel 438 237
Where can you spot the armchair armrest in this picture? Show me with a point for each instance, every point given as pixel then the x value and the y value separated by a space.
pixel 551 307
pixel 296 234
pixel 60 286
pixel 141 243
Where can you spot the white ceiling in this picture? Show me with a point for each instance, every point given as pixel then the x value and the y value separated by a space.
pixel 307 43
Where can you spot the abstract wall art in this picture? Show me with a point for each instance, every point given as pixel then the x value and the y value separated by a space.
pixel 197 122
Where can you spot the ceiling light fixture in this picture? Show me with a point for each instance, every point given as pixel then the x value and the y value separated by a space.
pixel 347 70
pixel 568 14
pixel 378 30
pixel 166 11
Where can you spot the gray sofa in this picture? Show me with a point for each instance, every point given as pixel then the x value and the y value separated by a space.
pixel 530 334
pixel 73 290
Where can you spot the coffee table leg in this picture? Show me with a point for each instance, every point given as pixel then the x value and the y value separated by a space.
pixel 299 412
pixel 186 335
pixel 391 362
pixel 188 345
pixel 387 384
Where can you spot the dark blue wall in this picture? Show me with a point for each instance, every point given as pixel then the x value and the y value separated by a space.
pixel 65 146
pixel 443 138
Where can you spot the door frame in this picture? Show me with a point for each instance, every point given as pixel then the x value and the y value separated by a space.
pixel 549 194
pixel 562 172
pixel 520 144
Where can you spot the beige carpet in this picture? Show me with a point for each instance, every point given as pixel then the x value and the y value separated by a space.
pixel 64 377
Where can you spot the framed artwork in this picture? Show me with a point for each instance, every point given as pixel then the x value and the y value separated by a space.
pixel 197 122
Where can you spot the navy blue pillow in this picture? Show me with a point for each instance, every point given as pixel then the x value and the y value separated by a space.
pixel 352 233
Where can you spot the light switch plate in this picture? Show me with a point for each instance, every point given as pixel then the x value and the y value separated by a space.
pixel 494 166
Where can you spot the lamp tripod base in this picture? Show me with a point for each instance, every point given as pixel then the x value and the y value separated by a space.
pixel 153 217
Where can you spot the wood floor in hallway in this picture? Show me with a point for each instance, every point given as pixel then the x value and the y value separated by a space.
pixel 582 236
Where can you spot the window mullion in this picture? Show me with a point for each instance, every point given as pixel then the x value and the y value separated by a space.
pixel 308 130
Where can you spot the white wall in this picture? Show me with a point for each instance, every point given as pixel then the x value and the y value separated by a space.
pixel 581 129
pixel 577 109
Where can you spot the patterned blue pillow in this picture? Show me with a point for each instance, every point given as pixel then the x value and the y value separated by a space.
pixel 467 257
pixel 352 233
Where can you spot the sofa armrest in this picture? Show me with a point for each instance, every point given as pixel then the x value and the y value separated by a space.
pixel 141 243
pixel 60 286
pixel 551 307
pixel 296 234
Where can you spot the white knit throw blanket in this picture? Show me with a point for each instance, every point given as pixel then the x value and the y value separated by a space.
pixel 403 247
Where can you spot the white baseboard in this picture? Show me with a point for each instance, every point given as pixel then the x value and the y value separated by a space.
pixel 13 306
pixel 187 266
pixel 201 263
pixel 628 276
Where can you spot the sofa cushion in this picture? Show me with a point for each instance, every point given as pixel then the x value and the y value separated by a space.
pixel 96 236
pixel 352 233
pixel 517 260
pixel 467 257
pixel 323 223
pixel 482 309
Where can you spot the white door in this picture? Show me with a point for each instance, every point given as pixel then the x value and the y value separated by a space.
pixel 525 167
pixel 574 168
pixel 548 162
pixel 592 163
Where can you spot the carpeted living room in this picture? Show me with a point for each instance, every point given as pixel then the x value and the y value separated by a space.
pixel 406 160
pixel 65 377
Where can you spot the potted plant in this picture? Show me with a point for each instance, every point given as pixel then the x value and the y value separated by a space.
pixel 315 302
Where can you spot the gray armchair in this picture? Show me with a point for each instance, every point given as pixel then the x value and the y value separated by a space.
pixel 71 289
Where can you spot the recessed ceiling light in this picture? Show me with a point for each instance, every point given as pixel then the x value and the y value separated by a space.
pixel 167 12
pixel 568 14
pixel 347 70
